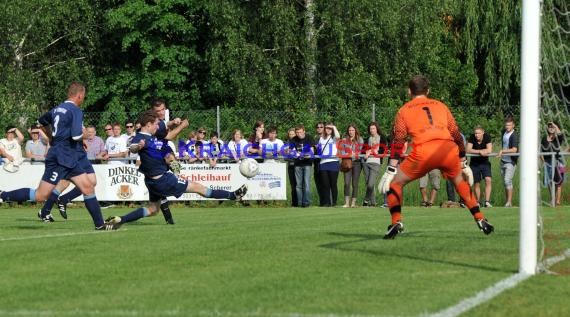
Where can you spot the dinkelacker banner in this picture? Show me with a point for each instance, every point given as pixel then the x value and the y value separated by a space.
pixel 125 183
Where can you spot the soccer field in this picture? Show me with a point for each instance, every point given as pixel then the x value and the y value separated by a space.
pixel 272 262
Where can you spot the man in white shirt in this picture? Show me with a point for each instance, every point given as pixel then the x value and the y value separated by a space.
pixel 129 135
pixel 510 144
pixel 12 146
pixel 271 146
pixel 37 147
pixel 116 145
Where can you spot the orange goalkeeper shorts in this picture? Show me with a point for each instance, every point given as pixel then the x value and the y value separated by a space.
pixel 434 154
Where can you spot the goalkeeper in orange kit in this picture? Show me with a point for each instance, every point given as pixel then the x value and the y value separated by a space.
pixel 436 144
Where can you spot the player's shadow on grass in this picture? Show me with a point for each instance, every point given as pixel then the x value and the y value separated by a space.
pixel 359 238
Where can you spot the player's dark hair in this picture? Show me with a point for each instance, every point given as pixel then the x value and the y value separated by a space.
pixel 157 102
pixel 146 117
pixel 272 129
pixel 418 85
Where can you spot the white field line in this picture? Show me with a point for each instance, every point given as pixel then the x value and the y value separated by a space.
pixel 553 260
pixel 57 235
pixel 494 290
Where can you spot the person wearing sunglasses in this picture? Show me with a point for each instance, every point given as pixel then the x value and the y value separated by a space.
pixel 128 136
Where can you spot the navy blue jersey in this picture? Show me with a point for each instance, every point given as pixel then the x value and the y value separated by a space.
pixel 162 131
pixel 67 123
pixel 152 155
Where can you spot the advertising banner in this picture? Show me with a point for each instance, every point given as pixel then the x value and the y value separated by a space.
pixel 123 182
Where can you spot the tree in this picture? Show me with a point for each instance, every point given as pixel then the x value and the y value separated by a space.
pixel 490 43
pixel 46 44
pixel 153 53
pixel 255 55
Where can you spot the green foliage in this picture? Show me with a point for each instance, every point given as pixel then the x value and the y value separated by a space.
pixel 254 53
pixel 154 54
pixel 298 56
pixel 489 39
pixel 46 44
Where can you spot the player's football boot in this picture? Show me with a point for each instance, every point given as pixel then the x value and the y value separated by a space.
pixel 485 226
pixel 114 220
pixel 62 209
pixel 240 192
pixel 393 230
pixel 111 223
pixel 47 218
pixel 108 227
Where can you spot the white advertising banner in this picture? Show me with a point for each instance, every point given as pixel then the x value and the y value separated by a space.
pixel 125 183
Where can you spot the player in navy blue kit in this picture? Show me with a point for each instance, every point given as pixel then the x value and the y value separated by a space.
pixel 63 200
pixel 166 131
pixel 159 181
pixel 61 162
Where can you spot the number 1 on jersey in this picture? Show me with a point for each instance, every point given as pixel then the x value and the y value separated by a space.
pixel 426 109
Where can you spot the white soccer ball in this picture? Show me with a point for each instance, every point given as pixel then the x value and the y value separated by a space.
pixel 249 167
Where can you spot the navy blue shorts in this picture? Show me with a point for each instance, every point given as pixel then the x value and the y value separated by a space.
pixel 61 164
pixel 54 172
pixel 167 185
pixel 86 165
pixel 480 171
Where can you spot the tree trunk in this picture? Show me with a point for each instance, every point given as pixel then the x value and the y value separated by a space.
pixel 311 53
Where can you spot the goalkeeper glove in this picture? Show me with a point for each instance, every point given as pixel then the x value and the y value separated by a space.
pixel 384 185
pixel 467 172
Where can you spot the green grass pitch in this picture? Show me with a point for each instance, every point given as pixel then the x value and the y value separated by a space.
pixel 272 261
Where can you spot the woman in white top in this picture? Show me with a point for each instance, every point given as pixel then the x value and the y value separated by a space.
pixel 329 166
pixel 372 161
pixel 237 144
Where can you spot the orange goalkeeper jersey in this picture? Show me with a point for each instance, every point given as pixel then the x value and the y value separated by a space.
pixel 424 119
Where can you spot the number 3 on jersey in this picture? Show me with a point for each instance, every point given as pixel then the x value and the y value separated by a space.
pixel 55 122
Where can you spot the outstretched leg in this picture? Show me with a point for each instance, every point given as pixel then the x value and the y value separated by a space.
pixel 464 191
